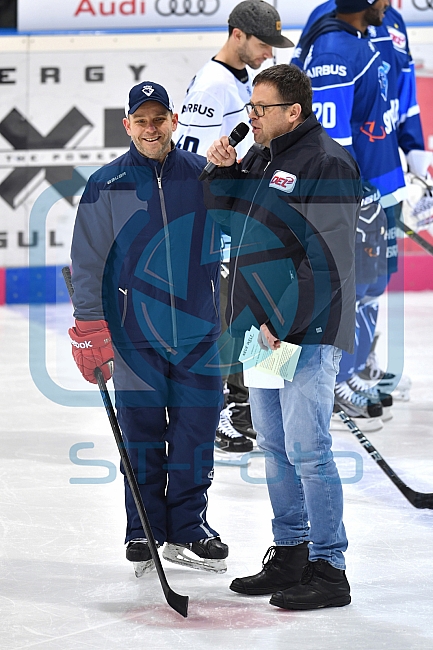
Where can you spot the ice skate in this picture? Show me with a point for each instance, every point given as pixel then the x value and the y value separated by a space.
pixel 386 382
pixel 231 447
pixel 241 419
pixel 366 414
pixel 373 393
pixel 206 554
pixel 138 552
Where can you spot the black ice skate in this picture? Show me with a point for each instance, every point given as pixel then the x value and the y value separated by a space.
pixel 206 554
pixel 241 419
pixel 386 382
pixel 322 585
pixel 138 552
pixel 230 442
pixel 366 413
pixel 373 393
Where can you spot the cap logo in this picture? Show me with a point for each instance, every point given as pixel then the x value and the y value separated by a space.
pixel 147 90
pixel 278 25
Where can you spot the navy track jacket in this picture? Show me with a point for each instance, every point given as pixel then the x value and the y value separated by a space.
pixel 145 254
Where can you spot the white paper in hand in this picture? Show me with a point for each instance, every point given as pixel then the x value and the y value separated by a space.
pixel 266 368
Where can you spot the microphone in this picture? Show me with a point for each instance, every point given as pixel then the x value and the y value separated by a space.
pixel 236 136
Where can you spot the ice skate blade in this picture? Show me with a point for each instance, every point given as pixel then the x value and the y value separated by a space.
pixel 181 555
pixel 232 458
pixel 387 414
pixel 401 395
pixel 364 424
pixel 140 568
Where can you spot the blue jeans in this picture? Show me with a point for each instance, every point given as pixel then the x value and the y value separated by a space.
pixel 304 487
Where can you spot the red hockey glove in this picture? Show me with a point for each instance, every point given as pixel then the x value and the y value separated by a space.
pixel 91 348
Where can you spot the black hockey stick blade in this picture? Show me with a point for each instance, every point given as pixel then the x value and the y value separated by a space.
pixel 415 236
pixel 417 499
pixel 176 601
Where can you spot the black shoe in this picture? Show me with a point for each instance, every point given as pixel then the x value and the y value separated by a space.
pixel 241 420
pixel 282 568
pixel 322 585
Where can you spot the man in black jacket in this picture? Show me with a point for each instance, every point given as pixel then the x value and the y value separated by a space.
pixel 292 207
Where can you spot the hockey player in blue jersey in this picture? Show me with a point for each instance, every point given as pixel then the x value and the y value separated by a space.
pixel 391 33
pixel 359 77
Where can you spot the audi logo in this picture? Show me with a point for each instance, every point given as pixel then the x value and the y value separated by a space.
pixel 187 7
pixel 422 5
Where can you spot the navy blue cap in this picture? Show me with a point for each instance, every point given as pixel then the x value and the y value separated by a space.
pixel 144 92
pixel 353 6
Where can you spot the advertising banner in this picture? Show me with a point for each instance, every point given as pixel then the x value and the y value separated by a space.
pixel 138 14
pixel 61 117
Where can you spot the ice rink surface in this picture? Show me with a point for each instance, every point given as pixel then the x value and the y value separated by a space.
pixel 65 583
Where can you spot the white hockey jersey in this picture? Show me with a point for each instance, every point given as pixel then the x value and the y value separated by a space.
pixel 214 104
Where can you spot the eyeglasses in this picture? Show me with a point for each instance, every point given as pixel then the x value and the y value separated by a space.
pixel 259 109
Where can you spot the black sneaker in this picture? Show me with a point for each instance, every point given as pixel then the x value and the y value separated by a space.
pixel 321 585
pixel 282 568
pixel 138 552
pixel 241 420
pixel 206 554
pixel 227 438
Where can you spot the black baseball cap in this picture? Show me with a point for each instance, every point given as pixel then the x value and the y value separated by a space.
pixel 147 91
pixel 260 19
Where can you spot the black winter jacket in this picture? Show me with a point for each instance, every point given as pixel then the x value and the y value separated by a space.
pixel 292 212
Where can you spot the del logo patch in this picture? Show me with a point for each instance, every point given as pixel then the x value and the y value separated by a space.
pixel 398 38
pixel 283 181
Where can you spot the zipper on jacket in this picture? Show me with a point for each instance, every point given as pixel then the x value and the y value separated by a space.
pixel 239 246
pixel 125 305
pixel 213 297
pixel 167 254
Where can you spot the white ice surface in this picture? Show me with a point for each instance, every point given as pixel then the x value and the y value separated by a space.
pixel 64 582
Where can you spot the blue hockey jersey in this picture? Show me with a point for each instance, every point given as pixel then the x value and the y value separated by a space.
pixel 354 97
pixel 391 40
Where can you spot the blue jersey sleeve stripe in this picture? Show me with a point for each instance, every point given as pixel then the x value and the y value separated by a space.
pixel 381 38
pixel 349 83
pixel 200 126
pixel 345 142
pixel 414 110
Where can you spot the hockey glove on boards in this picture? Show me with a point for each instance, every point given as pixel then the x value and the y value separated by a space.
pixel 91 348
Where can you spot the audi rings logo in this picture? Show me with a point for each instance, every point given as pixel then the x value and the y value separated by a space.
pixel 422 5
pixel 187 7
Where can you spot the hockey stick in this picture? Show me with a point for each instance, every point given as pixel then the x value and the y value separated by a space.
pixel 415 236
pixel 176 601
pixel 417 499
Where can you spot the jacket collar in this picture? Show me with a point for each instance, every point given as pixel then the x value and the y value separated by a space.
pixel 287 140
pixel 154 164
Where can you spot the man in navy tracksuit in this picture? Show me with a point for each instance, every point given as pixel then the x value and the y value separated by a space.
pixel 145 258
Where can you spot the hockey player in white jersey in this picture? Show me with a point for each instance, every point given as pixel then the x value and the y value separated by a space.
pixel 214 104
pixel 215 100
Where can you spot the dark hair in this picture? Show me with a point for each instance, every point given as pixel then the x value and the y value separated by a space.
pixel 293 85
pixel 231 32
